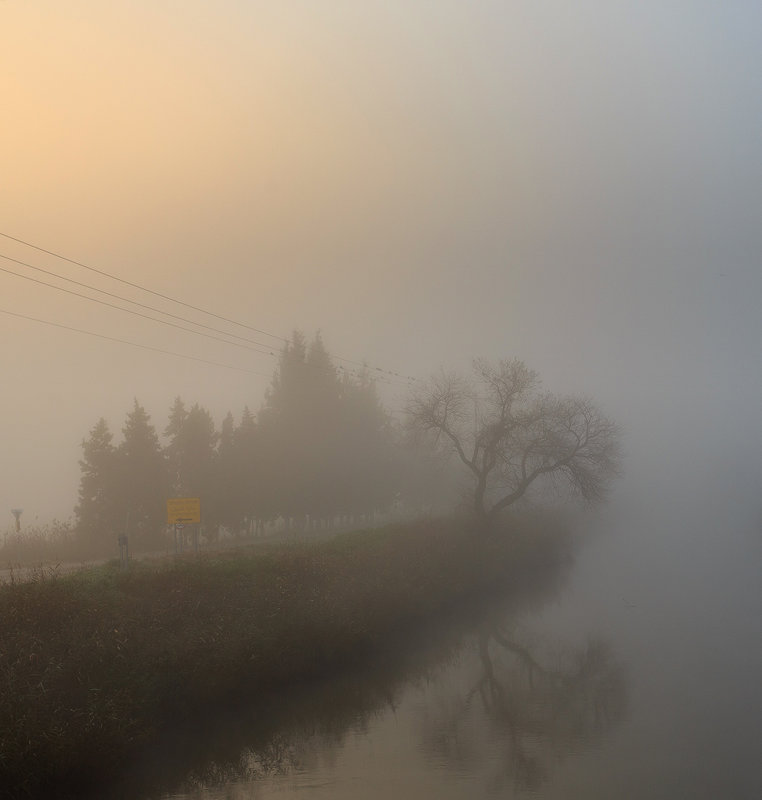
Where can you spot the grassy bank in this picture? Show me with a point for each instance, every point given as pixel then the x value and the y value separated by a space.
pixel 95 666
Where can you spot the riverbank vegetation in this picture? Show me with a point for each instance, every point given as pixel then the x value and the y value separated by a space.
pixel 321 452
pixel 39 546
pixel 97 666
pixel 513 438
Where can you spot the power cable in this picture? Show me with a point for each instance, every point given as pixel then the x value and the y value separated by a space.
pixel 131 344
pixel 146 316
pixel 266 352
pixel 130 311
pixel 139 286
pixel 391 373
pixel 125 300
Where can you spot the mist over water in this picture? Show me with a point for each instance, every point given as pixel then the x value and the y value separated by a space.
pixel 575 185
pixel 666 579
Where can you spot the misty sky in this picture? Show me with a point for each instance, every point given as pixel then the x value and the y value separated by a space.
pixel 576 184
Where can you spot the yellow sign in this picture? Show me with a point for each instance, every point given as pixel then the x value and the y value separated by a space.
pixel 183 509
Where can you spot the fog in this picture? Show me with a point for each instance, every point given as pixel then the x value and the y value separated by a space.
pixel 577 185
pixel 579 188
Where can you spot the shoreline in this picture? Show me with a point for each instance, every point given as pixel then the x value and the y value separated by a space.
pixel 97 666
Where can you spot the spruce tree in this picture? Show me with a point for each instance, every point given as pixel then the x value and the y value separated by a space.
pixel 225 474
pixel 96 512
pixel 173 452
pixel 326 441
pixel 191 450
pixel 248 470
pixel 143 477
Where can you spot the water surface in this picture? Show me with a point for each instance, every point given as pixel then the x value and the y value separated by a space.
pixel 635 675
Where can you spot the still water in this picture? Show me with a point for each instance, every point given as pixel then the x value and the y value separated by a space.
pixel 634 673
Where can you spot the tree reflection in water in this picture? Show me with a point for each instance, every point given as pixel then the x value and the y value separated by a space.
pixel 537 704
pixel 505 705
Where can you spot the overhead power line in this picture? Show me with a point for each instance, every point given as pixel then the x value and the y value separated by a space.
pixel 124 300
pixel 131 344
pixel 266 352
pixel 139 286
pixel 134 313
pixel 374 369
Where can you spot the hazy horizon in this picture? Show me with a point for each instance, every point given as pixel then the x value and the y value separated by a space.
pixel 424 184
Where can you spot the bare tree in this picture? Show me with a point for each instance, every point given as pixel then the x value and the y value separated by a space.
pixel 512 436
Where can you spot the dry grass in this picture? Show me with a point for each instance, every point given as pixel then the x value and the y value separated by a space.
pixel 94 665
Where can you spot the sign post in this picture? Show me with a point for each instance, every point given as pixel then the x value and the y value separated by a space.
pixel 182 511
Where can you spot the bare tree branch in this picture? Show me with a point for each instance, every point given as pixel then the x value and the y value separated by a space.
pixel 510 435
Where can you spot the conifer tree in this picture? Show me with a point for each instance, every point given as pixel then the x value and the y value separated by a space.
pixel 178 415
pixel 96 511
pixel 225 474
pixel 191 449
pixel 191 457
pixel 327 441
pixel 370 460
pixel 285 424
pixel 142 476
pixel 249 491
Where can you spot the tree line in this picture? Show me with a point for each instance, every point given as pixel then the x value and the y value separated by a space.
pixel 322 447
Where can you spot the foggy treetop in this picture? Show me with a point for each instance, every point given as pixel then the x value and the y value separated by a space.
pixel 576 185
